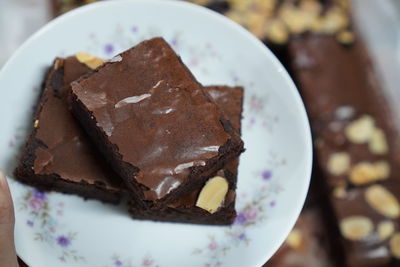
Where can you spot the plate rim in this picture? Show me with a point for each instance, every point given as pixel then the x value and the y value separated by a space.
pixel 305 125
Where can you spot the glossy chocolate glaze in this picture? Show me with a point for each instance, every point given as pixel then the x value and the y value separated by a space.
pixel 157 116
pixel 67 151
pixel 229 100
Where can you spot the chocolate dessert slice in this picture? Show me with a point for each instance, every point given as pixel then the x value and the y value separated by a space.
pixel 229 99
pixel 58 154
pixel 356 145
pixel 154 123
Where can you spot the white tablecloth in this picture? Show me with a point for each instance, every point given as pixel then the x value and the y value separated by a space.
pixel 18 20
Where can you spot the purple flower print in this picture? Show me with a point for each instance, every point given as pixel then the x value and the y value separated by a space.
pixel 134 29
pixel 272 203
pixel 242 236
pixel 118 263
pixel 193 62
pixel 108 49
pixel 11 143
pixel 39 194
pixel 63 241
pixel 250 214
pixel 147 262
pixel 240 218
pixel 266 174
pixel 36 204
pixel 212 245
pixel 174 42
pixel 29 223
pixel 255 104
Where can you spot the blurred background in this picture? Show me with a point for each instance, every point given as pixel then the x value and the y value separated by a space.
pixel 341 29
pixel 378 21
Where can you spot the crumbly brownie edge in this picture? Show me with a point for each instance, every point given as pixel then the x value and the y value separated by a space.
pixel 225 216
pixel 53 182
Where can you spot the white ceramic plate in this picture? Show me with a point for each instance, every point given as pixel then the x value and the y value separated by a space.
pixel 59 230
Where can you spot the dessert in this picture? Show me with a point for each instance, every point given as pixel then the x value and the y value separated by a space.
pixel 307 244
pixel 229 99
pixel 58 154
pixel 355 141
pixel 369 221
pixel 153 123
pixel 72 147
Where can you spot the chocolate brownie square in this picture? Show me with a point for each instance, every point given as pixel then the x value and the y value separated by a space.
pixel 229 99
pixel 58 154
pixel 154 123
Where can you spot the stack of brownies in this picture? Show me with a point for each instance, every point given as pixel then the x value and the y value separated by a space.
pixel 139 125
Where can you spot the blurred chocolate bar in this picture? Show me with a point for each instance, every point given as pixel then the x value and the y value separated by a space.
pixel 307 244
pixel 356 145
pixel 62 6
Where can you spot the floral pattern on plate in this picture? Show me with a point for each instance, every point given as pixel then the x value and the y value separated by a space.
pixel 273 173
pixel 251 213
pixel 43 218
pixel 117 261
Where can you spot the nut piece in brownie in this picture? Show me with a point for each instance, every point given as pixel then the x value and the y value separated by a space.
pixel 58 155
pixel 356 145
pixel 154 123
pixel 186 209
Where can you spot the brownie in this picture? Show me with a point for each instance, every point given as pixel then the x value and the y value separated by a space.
pixel 307 244
pixel 356 143
pixel 229 99
pixel 154 123
pixel 58 154
pixel 369 219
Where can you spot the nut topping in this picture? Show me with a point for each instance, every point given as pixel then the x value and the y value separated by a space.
pixel 394 245
pixel 295 239
pixel 360 131
pixel 366 172
pixel 338 163
pixel 213 194
pixel 385 229
pixel 356 227
pixel 378 144
pixel 89 60
pixel 383 201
